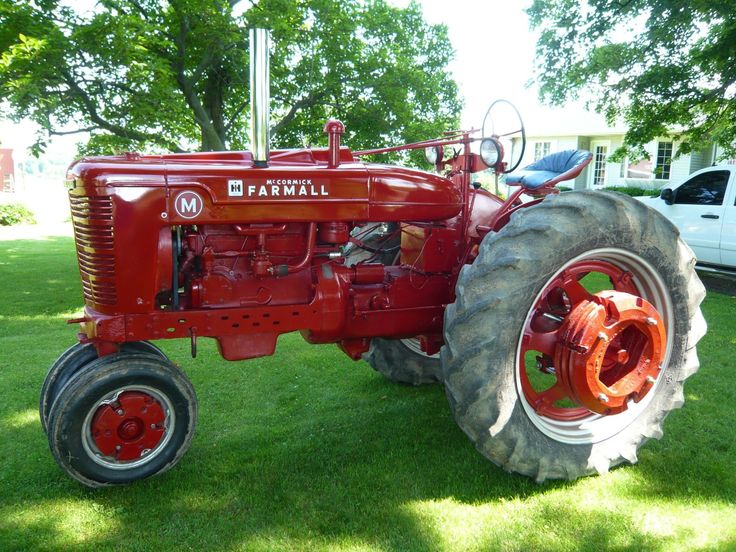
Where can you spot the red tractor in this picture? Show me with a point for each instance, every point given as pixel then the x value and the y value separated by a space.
pixel 562 327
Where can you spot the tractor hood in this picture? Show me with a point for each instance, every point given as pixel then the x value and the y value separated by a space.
pixel 296 186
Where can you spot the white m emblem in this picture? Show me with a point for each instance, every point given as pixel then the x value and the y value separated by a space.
pixel 188 205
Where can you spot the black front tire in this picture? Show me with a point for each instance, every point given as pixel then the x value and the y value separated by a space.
pixel 99 384
pixel 70 363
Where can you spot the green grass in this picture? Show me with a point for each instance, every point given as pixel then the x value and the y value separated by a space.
pixel 309 450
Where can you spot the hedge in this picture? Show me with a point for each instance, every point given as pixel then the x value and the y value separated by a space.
pixel 15 213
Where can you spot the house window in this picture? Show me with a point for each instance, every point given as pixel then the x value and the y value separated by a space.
pixel 600 157
pixel 641 169
pixel 664 161
pixel 6 184
pixel 541 149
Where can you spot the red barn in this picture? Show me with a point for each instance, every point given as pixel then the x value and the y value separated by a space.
pixel 7 170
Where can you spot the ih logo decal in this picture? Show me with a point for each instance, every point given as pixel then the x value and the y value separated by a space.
pixel 235 188
pixel 188 205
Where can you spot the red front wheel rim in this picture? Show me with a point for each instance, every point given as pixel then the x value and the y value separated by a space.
pixel 128 427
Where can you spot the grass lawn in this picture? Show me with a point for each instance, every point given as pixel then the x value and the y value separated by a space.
pixel 309 450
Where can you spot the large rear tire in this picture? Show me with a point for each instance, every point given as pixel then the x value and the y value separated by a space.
pixel 402 361
pixel 515 282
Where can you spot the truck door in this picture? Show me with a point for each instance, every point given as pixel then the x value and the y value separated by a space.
pixel 728 235
pixel 698 211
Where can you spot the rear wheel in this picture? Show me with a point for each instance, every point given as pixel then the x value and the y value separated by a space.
pixel 122 418
pixel 572 334
pixel 403 361
pixel 72 361
pixel 399 360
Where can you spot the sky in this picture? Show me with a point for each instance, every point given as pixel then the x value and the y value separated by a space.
pixel 494 59
pixel 494 51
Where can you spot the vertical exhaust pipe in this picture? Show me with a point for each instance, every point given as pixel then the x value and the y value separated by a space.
pixel 259 96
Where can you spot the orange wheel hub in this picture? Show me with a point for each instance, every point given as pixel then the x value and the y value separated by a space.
pixel 609 351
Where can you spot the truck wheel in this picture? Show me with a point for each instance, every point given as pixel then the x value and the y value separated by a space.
pixel 70 362
pixel 572 334
pixel 402 361
pixel 123 417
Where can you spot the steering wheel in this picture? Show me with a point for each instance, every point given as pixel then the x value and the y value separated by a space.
pixel 521 129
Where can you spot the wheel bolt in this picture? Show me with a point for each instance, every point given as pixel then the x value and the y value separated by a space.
pixel 602 336
pixel 120 412
pixel 153 426
pixel 602 397
pixel 651 321
pixel 650 379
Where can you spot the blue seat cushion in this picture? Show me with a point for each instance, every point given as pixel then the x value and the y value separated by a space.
pixel 551 167
pixel 530 178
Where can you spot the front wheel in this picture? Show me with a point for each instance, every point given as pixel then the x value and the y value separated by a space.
pixel 123 417
pixel 572 334
pixel 70 363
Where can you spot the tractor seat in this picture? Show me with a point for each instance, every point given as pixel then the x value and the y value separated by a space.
pixel 551 169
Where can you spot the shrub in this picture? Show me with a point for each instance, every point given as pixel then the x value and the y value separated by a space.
pixel 15 213
pixel 633 191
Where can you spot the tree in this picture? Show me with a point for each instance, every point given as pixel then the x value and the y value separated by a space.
pixel 664 67
pixel 173 75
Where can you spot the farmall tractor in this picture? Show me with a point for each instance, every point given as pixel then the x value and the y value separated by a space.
pixel 562 327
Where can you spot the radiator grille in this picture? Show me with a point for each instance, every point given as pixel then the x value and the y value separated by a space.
pixel 95 240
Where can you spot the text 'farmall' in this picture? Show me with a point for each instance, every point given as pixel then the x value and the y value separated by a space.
pixel 286 188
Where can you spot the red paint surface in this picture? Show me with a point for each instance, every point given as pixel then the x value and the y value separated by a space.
pixel 130 428
pixel 259 252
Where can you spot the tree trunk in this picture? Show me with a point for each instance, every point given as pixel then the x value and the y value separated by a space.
pixel 213 103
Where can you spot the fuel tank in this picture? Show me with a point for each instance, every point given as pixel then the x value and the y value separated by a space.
pixel 297 186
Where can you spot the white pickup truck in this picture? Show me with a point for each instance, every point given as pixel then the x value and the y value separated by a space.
pixel 703 207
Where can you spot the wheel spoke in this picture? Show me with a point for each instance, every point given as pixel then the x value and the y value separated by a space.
pixel 545 401
pixel 575 291
pixel 510 133
pixel 542 342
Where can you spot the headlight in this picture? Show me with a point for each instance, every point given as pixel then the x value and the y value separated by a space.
pixel 434 154
pixel 490 151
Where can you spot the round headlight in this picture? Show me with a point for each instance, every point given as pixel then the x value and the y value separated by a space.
pixel 490 151
pixel 433 154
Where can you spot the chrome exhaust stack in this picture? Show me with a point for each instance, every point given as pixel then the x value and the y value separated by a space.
pixel 259 96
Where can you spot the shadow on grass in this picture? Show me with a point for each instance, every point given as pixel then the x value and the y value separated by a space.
pixel 317 462
pixel 721 283
pixel 344 480
pixel 307 450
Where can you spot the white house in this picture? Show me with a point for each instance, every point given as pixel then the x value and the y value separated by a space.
pixel 557 130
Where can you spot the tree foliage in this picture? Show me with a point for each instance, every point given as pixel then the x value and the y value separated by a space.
pixel 173 75
pixel 663 67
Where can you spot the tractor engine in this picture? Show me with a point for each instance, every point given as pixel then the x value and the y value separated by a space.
pixel 210 245
pixel 234 266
